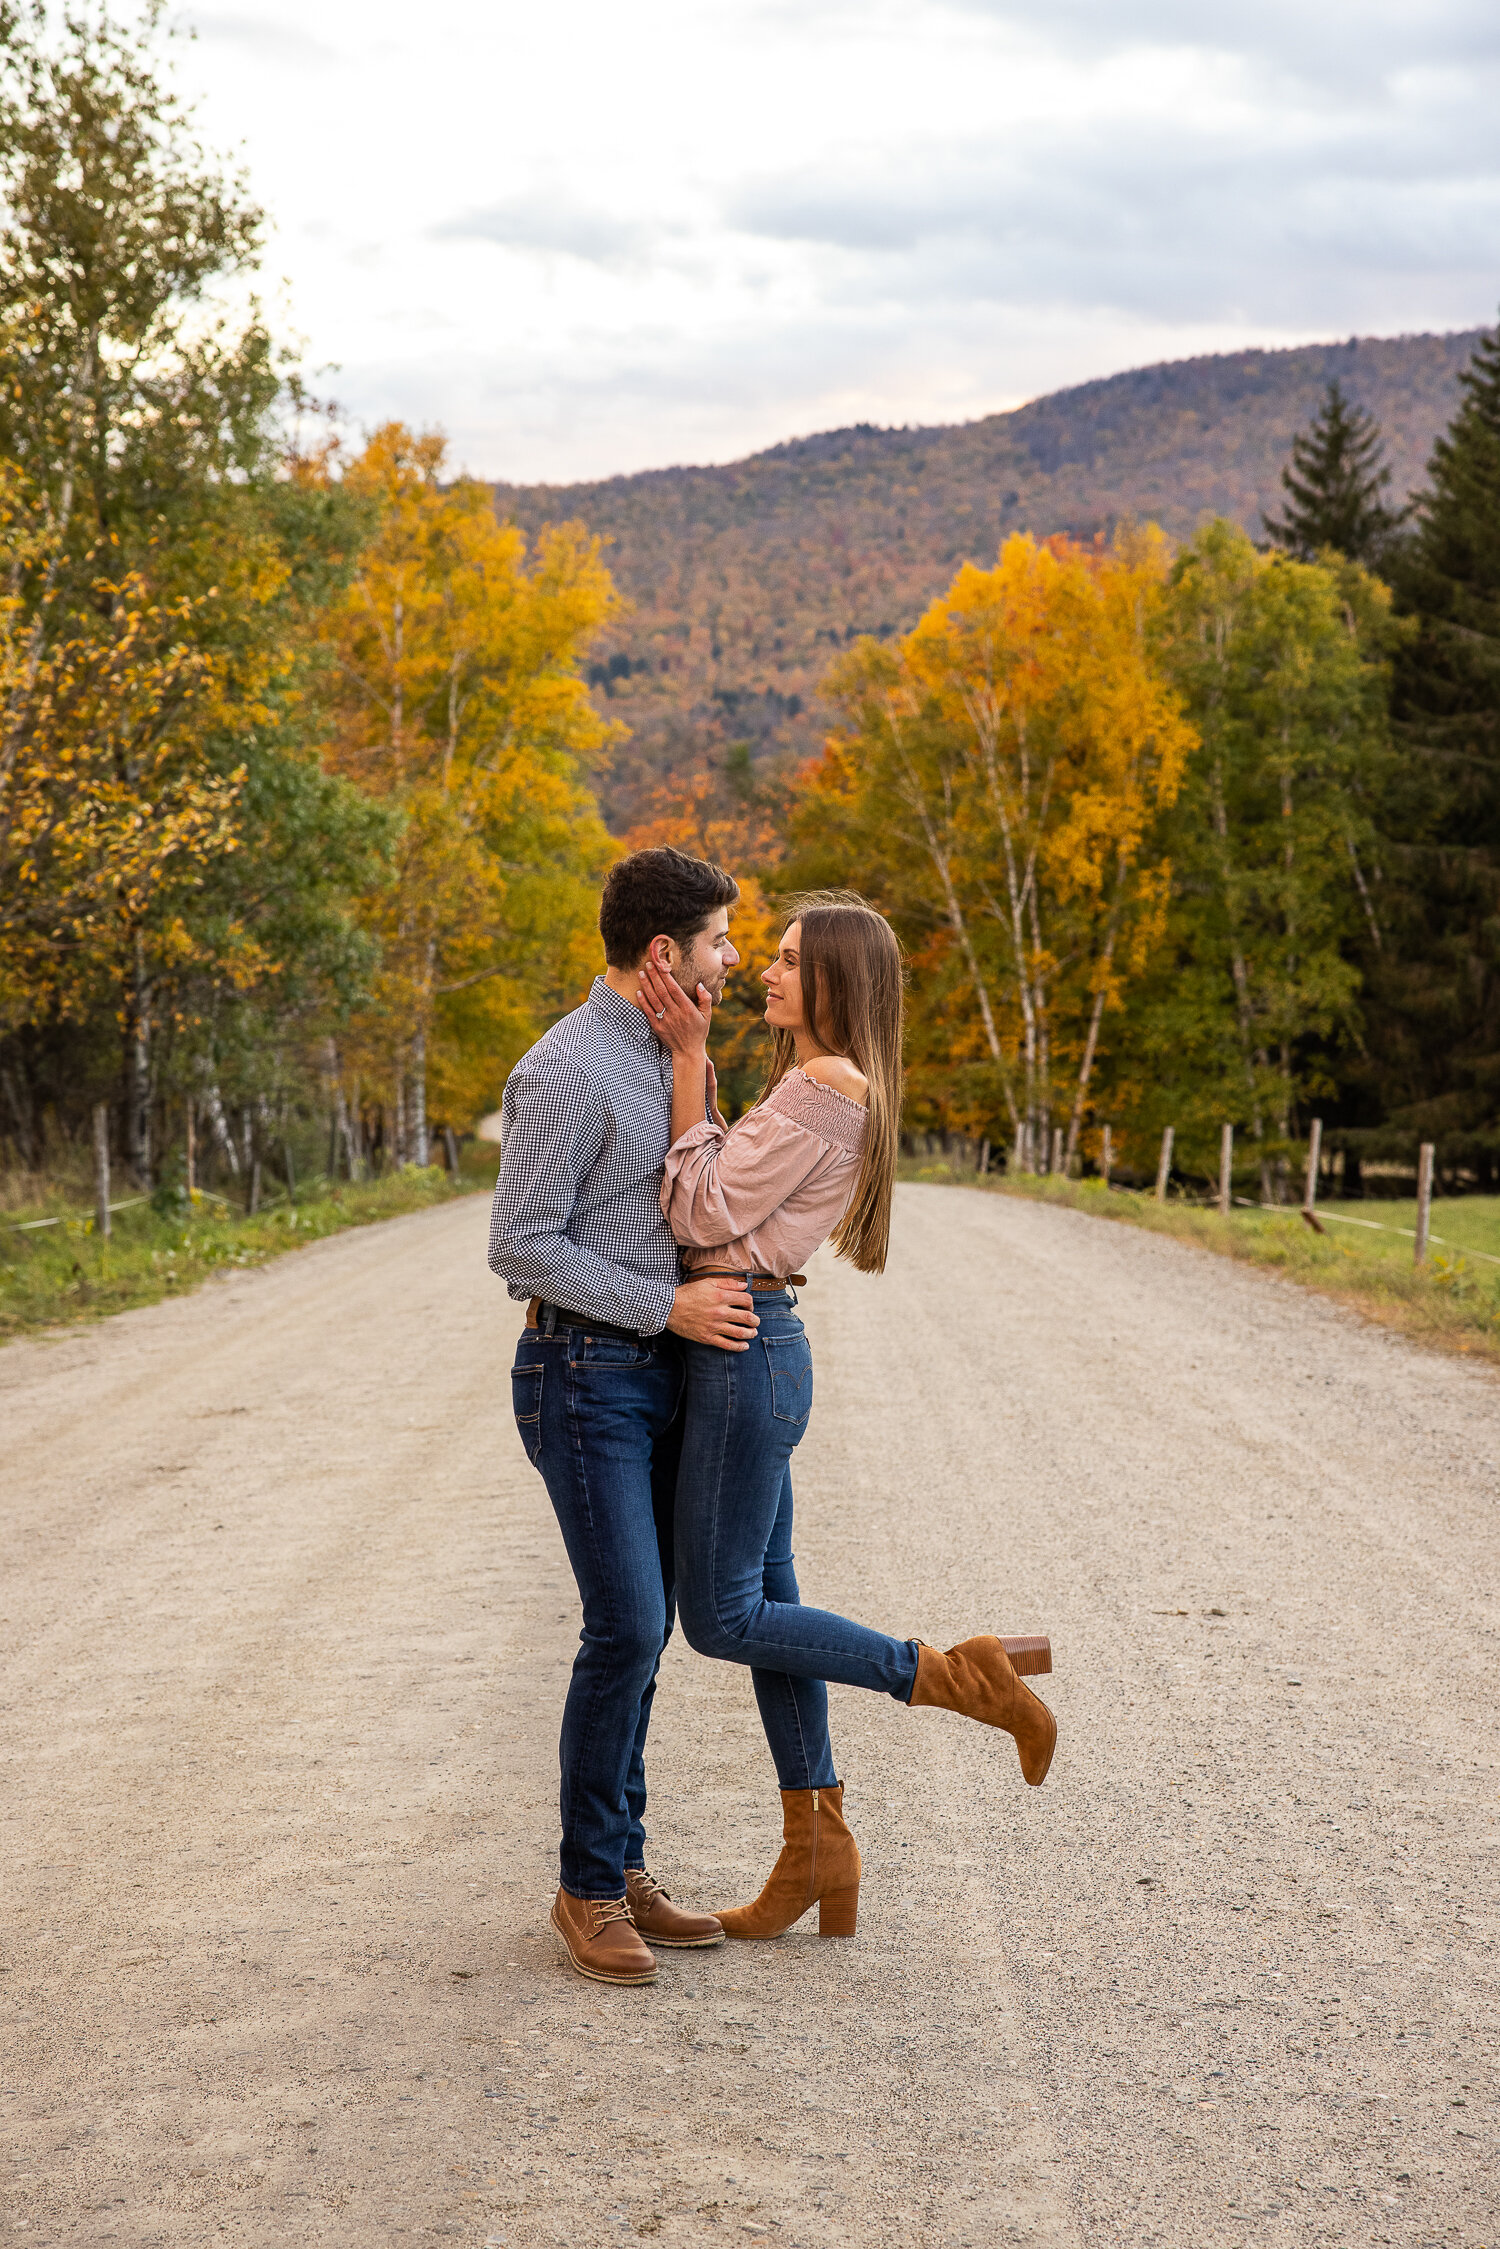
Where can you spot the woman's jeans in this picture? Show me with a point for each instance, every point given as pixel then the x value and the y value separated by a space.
pixel 736 1589
pixel 600 1417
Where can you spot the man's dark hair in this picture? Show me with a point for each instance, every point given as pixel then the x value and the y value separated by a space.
pixel 659 893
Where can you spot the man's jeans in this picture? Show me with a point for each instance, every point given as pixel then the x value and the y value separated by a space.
pixel 600 1418
pixel 745 1414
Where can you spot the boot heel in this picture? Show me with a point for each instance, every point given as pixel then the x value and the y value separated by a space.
pixel 1030 1654
pixel 838 1910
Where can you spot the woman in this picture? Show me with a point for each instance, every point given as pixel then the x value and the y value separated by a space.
pixel 816 1157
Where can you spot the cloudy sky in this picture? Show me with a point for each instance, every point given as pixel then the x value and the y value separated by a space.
pixel 595 237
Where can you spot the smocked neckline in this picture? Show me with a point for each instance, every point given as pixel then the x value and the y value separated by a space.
pixel 860 1108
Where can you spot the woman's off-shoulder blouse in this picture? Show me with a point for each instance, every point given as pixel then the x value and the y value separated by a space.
pixel 764 1195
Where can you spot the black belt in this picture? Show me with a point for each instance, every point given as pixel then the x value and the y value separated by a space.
pixel 559 1318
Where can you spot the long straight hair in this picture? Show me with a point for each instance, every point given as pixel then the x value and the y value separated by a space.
pixel 850 966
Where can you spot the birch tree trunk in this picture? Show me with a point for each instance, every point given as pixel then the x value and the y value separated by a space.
pixel 1096 1016
pixel 218 1125
pixel 419 1098
pixel 138 1069
pixel 343 1136
pixel 958 923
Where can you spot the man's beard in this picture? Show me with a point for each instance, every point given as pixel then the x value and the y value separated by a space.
pixel 713 985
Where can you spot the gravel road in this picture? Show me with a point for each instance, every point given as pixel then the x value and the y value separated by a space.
pixel 286 1630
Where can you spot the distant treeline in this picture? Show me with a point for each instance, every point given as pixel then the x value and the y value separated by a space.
pixel 1195 835
pixel 743 580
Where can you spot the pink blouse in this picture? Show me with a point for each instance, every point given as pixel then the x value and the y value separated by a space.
pixel 767 1193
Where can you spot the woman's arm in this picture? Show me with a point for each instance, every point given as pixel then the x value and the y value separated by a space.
pixel 682 1027
pixel 715 1189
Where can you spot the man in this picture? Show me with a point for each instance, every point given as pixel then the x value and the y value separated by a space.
pixel 577 1227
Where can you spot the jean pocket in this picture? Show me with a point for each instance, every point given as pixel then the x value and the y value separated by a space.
pixel 607 1351
pixel 789 1358
pixel 526 1396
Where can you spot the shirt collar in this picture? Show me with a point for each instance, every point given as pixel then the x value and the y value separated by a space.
pixel 626 1018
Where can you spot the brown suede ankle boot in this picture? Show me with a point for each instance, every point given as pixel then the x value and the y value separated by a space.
pixel 978 1679
pixel 819 1865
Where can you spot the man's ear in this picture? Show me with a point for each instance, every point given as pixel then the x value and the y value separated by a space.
pixel 661 950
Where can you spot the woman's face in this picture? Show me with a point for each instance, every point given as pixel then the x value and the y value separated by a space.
pixel 783 982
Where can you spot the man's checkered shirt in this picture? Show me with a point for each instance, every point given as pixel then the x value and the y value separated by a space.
pixel 577 1216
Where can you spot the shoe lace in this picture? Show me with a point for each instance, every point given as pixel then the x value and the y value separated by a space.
pixel 644 1886
pixel 602 1910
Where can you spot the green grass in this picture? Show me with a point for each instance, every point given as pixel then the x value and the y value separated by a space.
pixel 54 1275
pixel 1452 1302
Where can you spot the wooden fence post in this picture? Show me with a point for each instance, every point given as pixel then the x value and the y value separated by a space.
pixel 1164 1167
pixel 984 1158
pixel 101 1170
pixel 1314 1156
pixel 1226 1168
pixel 1057 1150
pixel 1109 1155
pixel 451 1146
pixel 192 1151
pixel 1424 1199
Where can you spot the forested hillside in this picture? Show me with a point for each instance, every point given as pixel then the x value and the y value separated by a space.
pixel 746 580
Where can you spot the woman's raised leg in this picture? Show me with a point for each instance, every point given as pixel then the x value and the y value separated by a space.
pixel 745 1413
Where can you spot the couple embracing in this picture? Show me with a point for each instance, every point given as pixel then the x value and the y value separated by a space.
pixel 663 1378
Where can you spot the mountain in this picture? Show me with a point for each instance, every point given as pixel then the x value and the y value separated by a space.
pixel 745 580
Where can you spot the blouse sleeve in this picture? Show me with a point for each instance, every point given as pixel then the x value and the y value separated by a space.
pixel 721 1185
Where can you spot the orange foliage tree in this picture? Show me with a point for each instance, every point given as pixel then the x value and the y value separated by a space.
pixel 996 782
pixel 737 825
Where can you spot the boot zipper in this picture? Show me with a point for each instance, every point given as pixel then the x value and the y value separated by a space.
pixel 812 1871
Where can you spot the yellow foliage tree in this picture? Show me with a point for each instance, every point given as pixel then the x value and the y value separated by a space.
pixel 997 782
pixel 456 698
pixel 114 797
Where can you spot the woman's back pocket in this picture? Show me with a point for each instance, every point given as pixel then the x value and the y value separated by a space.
pixel 789 1358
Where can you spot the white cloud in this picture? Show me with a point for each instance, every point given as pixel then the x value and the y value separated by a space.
pixel 602 238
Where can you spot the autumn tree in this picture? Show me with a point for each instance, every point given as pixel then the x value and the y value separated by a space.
pixel 732 813
pixel 997 783
pixel 455 700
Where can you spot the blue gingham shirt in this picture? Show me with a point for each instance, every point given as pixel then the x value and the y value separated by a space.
pixel 577 1216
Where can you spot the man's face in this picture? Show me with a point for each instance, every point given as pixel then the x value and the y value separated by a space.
pixel 706 959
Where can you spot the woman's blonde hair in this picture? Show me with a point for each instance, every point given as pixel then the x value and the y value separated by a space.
pixel 850 964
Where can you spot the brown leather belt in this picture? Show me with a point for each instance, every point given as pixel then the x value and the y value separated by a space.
pixel 738 1273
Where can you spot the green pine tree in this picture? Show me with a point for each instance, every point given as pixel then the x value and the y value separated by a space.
pixel 1435 995
pixel 1333 483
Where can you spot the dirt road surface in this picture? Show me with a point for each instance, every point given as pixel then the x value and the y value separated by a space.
pixel 287 1628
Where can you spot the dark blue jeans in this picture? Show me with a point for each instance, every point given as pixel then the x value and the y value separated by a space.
pixel 736 1588
pixel 601 1418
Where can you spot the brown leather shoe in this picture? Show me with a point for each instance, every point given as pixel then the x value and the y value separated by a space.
pixel 819 1865
pixel 978 1679
pixel 659 1920
pixel 601 1939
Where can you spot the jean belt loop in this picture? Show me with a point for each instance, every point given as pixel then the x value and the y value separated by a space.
pixel 547 1320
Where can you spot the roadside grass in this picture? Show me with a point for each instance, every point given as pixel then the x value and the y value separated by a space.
pixel 63 1273
pixel 1452 1302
